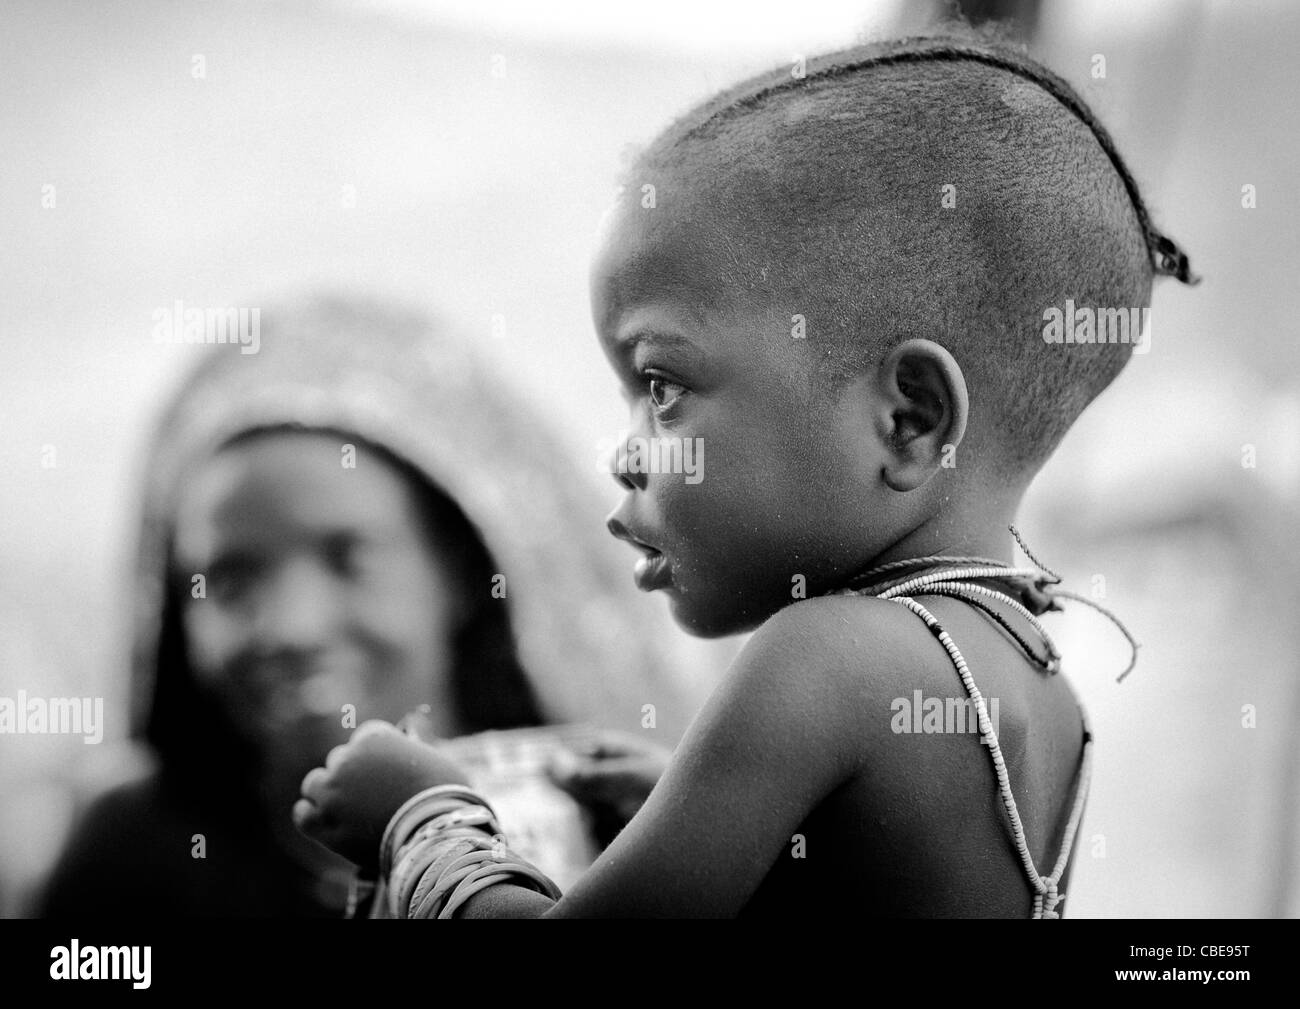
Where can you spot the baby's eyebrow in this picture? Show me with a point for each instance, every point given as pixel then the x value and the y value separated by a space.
pixel 629 343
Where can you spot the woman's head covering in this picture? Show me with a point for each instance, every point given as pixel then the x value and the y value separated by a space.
pixel 593 649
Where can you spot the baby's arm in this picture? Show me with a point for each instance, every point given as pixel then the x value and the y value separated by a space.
pixel 776 737
pixel 613 776
pixel 784 729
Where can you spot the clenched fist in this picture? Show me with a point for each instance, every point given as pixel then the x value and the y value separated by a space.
pixel 346 804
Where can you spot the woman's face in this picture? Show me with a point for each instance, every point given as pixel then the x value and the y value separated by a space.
pixel 324 603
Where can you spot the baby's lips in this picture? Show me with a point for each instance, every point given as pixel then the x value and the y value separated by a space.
pixel 620 530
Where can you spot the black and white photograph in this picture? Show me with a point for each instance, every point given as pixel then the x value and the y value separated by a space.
pixel 804 462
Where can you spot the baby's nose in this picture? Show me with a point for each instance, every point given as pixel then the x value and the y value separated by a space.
pixel 618 464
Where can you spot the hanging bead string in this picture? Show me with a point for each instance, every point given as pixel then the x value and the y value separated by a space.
pixel 975 595
pixel 1055 578
pixel 1047 892
pixel 1061 593
pixel 957 577
pixel 868 578
pixel 955 582
pixel 956 570
pixel 1132 642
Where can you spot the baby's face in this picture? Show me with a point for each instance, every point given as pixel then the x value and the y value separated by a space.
pixel 321 592
pixel 771 513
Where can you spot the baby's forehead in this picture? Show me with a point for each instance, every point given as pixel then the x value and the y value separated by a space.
pixel 675 241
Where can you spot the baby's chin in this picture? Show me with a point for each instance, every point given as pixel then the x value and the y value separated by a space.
pixel 703 615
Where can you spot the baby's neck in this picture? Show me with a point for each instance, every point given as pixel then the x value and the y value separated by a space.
pixel 978 532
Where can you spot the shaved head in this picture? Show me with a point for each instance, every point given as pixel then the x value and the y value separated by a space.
pixel 947 188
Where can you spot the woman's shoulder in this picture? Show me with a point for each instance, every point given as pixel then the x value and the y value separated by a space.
pixel 145 847
pixel 122 819
pixel 111 839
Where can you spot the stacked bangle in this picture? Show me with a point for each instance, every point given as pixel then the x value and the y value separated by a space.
pixel 443 846
pixel 420 809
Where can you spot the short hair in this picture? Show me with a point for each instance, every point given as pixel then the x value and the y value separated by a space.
pixel 836 179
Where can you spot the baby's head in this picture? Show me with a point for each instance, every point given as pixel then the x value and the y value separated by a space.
pixel 837 285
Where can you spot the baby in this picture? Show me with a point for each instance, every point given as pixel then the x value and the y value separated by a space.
pixel 842 283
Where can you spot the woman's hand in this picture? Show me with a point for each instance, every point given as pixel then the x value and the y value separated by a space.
pixel 615 774
pixel 346 805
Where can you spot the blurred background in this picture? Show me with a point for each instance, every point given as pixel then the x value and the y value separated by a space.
pixel 457 156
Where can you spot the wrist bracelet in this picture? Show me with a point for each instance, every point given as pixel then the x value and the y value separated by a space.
pixel 413 809
pixel 491 874
pixel 415 860
pixel 442 847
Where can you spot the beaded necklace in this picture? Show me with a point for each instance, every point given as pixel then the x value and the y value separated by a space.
pixel 966 578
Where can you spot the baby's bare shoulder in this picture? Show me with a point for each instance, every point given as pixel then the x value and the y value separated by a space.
pixel 842 635
pixel 841 660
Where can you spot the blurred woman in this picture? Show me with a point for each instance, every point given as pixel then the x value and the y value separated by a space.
pixel 354 520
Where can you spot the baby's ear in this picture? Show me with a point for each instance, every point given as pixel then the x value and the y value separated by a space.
pixel 922 413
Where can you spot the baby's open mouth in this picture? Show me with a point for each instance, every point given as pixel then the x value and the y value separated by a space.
pixel 653 570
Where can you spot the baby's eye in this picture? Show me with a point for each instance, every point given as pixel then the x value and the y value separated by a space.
pixel 664 393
